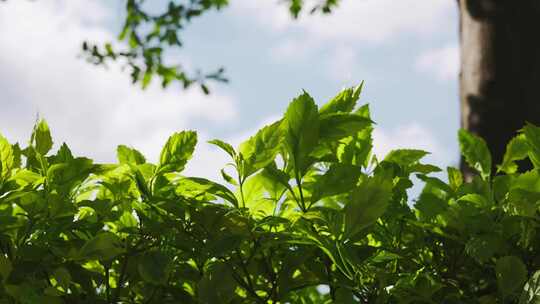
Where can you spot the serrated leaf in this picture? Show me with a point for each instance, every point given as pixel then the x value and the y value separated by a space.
pixel 511 274
pixel 339 125
pixel 177 151
pixel 429 206
pixel 476 153
pixel 367 203
pixel 63 155
pixel 356 150
pixel 261 149
pixel 345 101
pixel 194 187
pixel 127 155
pixel 434 182
pixel 516 149
pixel 275 180
pixel 301 128
pixel 364 111
pixel 405 157
pixel 41 137
pixel 253 196
pixel 455 178
pixel 224 146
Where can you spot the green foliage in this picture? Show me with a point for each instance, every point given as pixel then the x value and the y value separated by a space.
pixel 307 215
pixel 475 152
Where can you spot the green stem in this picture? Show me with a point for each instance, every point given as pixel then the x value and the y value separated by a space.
pixel 107 284
pixel 241 185
pixel 299 184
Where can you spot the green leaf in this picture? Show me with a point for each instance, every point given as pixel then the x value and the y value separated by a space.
pixel 429 206
pixel 356 150
pixel 275 180
pixel 476 153
pixel 154 267
pixel 424 168
pixel 127 155
pixel 67 175
pixel 127 220
pixel 254 200
pixel 455 178
pixel 405 157
pixel 224 146
pixel 229 179
pixel 434 182
pixel 344 101
pixel 532 133
pixel 339 125
pixel 339 178
pixel 478 200
pixel 104 246
pixel 86 213
pixel 517 149
pixel 41 137
pixel 367 203
pixel 63 155
pixel 260 150
pixel 195 187
pixel 531 290
pixel 511 274
pixel 177 151
pixel 6 159
pixel 301 124
pixel 364 111
pixel 5 267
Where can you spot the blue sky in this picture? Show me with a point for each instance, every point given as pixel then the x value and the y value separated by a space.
pixel 406 51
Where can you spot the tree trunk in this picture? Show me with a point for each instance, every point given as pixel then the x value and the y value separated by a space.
pixel 500 69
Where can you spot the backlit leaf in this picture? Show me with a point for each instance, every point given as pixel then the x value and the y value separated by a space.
pixel 476 152
pixel 301 127
pixel 41 137
pixel 127 155
pixel 177 151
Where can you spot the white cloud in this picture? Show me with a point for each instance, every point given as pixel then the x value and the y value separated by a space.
pixel 355 23
pixel 342 64
pixel 90 108
pixel 442 63
pixel 411 136
pixel 372 21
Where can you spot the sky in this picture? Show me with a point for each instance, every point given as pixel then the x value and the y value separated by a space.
pixel 406 52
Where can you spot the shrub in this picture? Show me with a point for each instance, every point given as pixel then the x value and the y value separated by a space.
pixel 307 215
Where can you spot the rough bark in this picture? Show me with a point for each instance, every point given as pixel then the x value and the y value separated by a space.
pixel 500 69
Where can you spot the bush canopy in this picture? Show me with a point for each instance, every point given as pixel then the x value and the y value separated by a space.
pixel 305 214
